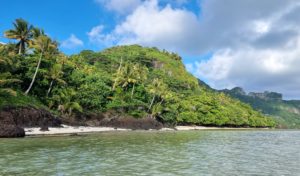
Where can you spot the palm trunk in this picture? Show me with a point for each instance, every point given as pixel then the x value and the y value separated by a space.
pixel 50 87
pixel 20 49
pixel 35 73
pixel 152 101
pixel 132 91
pixel 119 69
pixel 162 100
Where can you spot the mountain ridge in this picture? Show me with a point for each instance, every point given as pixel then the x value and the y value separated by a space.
pixel 286 112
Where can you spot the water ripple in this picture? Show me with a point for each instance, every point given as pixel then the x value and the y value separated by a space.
pixel 155 153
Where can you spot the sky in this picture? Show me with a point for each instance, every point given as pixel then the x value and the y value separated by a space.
pixel 254 44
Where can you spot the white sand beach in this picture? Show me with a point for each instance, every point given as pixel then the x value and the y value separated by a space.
pixel 73 130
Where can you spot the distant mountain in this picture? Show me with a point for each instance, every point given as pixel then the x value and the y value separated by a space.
pixel 286 112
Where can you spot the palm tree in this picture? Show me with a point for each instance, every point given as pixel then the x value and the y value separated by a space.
pixel 55 74
pixel 36 32
pixel 130 75
pixel 138 75
pixel 65 99
pixel 5 78
pixel 22 32
pixel 158 89
pixel 5 81
pixel 118 74
pixel 44 46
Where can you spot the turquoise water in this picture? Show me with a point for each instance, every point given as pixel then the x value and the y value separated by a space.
pixel 155 153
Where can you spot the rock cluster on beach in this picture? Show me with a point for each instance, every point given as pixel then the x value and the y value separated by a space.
pixel 13 120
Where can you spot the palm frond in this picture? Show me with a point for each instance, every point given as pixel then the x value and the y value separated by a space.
pixel 8 91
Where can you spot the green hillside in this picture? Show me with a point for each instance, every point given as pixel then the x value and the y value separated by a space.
pixel 131 80
pixel 287 113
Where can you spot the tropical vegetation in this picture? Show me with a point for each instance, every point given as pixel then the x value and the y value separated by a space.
pixel 285 112
pixel 131 80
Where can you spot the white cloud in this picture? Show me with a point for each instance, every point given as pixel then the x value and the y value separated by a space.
pixel 96 36
pixel 261 48
pixel 72 42
pixel 150 25
pixel 95 33
pixel 255 43
pixel 254 69
pixel 120 6
pixel 261 27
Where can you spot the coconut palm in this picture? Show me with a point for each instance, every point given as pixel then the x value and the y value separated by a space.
pixel 5 80
pixel 130 75
pixel 138 75
pixel 22 32
pixel 44 46
pixel 5 77
pixel 65 99
pixel 158 89
pixel 55 75
pixel 117 75
pixel 36 32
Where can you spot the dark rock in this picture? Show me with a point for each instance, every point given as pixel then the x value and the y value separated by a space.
pixel 14 119
pixel 28 117
pixel 132 123
pixel 113 119
pixel 10 131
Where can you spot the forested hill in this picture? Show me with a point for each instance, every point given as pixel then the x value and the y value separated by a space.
pixel 131 80
pixel 286 112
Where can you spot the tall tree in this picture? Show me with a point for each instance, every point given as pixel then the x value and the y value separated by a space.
pixel 117 75
pixel 5 76
pixel 22 32
pixel 130 74
pixel 36 32
pixel 158 89
pixel 44 46
pixel 65 99
pixel 138 75
pixel 55 75
pixel 5 81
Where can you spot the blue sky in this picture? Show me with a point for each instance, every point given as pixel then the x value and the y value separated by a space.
pixel 251 43
pixel 62 18
pixel 59 18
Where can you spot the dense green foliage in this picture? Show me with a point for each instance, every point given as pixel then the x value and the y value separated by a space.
pixel 287 113
pixel 133 80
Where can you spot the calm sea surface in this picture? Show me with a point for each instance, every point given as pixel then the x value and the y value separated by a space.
pixel 155 153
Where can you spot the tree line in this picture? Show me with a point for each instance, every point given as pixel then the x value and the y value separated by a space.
pixel 132 80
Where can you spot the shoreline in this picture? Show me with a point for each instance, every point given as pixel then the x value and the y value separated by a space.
pixel 78 130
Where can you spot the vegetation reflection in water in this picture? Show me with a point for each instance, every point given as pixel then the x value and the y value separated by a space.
pixel 155 153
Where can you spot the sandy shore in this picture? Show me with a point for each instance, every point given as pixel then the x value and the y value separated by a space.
pixel 72 130
pixel 64 130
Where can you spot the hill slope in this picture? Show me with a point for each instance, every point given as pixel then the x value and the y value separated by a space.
pixel 287 113
pixel 132 81
pixel 162 88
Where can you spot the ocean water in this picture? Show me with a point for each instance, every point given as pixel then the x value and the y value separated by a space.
pixel 215 152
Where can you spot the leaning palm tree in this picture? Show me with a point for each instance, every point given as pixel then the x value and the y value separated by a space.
pixel 44 46
pixel 22 32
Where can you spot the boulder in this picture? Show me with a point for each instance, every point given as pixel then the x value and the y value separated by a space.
pixel 28 117
pixel 11 131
